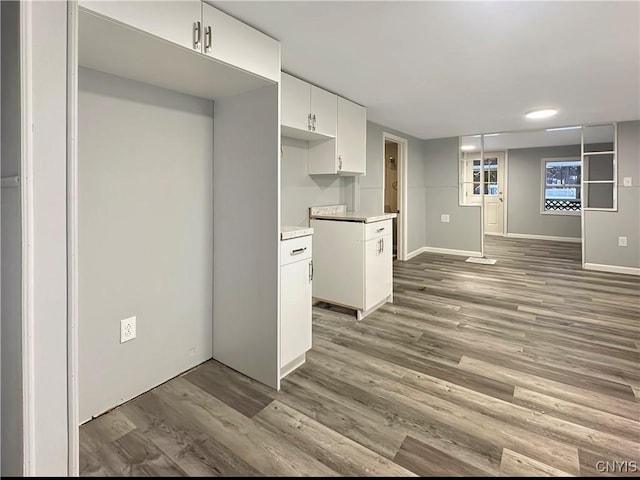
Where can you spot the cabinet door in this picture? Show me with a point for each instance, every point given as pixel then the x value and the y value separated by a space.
pixel 378 270
pixel 295 102
pixel 295 310
pixel 324 106
pixel 352 137
pixel 231 41
pixel 172 20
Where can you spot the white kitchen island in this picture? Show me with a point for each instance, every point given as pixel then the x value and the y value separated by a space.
pixel 353 258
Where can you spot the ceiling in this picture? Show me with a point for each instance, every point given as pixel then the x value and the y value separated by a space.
pixel 539 138
pixel 441 69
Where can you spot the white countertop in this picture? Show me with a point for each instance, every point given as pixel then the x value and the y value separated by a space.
pixel 365 217
pixel 289 231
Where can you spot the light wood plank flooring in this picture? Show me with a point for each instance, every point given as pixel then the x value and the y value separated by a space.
pixel 526 367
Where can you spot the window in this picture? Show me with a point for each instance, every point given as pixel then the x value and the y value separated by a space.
pixel 490 176
pixel 562 178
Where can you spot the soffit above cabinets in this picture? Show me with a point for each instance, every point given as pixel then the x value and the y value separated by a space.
pixel 111 47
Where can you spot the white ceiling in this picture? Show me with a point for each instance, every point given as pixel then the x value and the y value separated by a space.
pixel 439 69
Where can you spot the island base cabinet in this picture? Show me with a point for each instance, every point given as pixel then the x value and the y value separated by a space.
pixel 295 302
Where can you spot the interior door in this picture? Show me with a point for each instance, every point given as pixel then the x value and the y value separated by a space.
pixel 493 184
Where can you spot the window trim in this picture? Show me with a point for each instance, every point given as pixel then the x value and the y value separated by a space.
pixel 543 185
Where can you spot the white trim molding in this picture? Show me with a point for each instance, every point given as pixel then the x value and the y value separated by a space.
pixel 544 237
pixel 611 268
pixel 443 251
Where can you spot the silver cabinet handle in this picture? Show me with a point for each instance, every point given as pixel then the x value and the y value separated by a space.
pixel 380 229
pixel 207 39
pixel 339 162
pixel 379 247
pixel 310 271
pixel 314 122
pixel 197 33
pixel 309 122
pixel 298 251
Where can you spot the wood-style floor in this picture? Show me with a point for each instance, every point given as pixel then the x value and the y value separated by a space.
pixel 526 367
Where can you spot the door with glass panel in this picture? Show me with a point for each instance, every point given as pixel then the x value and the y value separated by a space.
pixel 491 180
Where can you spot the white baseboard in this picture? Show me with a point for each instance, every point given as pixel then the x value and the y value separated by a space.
pixel 449 251
pixel 415 253
pixel 611 268
pixel 544 237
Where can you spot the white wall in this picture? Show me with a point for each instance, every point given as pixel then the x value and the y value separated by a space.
pixel 145 236
pixel 602 229
pixel 301 190
pixel 463 232
pixel 524 192
pixel 44 43
pixel 371 186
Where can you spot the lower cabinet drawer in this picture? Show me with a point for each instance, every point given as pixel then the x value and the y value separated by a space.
pixel 295 249
pixel 377 229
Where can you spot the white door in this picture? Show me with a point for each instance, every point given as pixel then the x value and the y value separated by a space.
pixel 231 41
pixel 324 108
pixel 352 136
pixel 379 270
pixel 493 189
pixel 295 310
pixel 295 102
pixel 173 20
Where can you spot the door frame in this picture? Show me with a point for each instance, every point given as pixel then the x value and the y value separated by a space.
pixel 403 151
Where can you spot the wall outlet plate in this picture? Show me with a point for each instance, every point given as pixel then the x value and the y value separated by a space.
pixel 127 329
pixel 627 182
pixel 622 241
pixel 445 218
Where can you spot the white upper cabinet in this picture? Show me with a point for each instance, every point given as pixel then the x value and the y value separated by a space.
pixel 175 21
pixel 308 112
pixel 296 102
pixel 351 137
pixel 199 27
pixel 324 111
pixel 231 41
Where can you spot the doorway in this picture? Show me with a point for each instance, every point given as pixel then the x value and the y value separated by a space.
pixel 391 187
pixel 494 188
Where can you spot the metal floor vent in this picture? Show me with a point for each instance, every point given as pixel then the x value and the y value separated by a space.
pixel 484 261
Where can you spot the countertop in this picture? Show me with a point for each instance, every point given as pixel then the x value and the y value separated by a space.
pixel 365 217
pixel 289 231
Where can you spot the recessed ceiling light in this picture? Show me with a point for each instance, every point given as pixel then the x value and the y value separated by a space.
pixel 546 113
pixel 562 128
pixel 466 148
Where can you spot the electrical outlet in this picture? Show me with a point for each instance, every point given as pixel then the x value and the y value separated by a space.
pixel 622 241
pixel 627 182
pixel 445 218
pixel 127 329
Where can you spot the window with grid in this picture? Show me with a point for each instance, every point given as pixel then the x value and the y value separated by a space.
pixel 562 191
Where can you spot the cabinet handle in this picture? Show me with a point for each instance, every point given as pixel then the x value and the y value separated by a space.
pixel 309 122
pixel 380 229
pixel 207 39
pixel 196 35
pixel 298 251
pixel 339 162
pixel 314 122
pixel 378 249
pixel 310 271
pixel 382 245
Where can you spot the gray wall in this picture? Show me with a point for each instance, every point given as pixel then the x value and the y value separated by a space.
pixel 11 328
pixel 524 190
pixel 441 158
pixel 602 229
pixel 145 236
pixel 299 190
pixel 371 185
